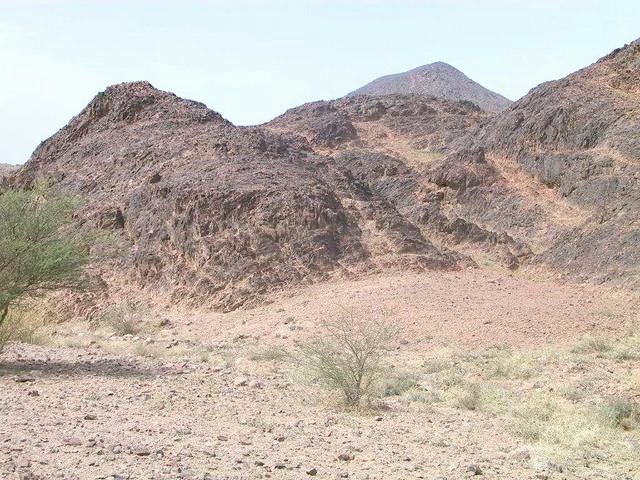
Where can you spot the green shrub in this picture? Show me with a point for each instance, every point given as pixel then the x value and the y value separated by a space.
pixel 621 413
pixel 41 250
pixel 348 357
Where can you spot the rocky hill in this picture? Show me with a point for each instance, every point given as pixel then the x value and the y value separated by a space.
pixel 438 80
pixel 404 150
pixel 361 184
pixel 6 170
pixel 579 139
pixel 219 212
pixel 552 183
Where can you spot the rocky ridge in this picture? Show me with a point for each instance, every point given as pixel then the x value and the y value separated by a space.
pixel 218 212
pixel 578 138
pixel 362 184
pixel 6 170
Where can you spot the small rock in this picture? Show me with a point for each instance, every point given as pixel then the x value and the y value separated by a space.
pixel 72 441
pixel 474 469
pixel 24 379
pixel 142 452
pixel 256 384
pixel 543 465
pixel 90 416
pixel 520 454
pixel 312 472
pixel 345 457
pixel 240 381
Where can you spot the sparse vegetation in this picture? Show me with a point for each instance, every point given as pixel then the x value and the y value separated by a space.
pixel 40 249
pixel 550 398
pixel 271 354
pixel 349 357
pixel 510 365
pixel 22 327
pixel 592 344
pixel 125 318
pixel 621 413
pixel 469 398
pixel 397 383
pixel 426 396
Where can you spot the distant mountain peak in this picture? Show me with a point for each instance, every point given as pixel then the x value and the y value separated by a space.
pixel 438 79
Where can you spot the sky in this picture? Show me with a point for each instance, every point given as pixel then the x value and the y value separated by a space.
pixel 252 60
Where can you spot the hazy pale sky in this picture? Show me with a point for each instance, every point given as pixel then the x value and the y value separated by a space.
pixel 251 60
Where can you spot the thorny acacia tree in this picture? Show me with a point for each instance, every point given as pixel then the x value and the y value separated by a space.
pixel 348 355
pixel 40 248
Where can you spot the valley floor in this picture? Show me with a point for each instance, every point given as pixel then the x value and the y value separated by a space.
pixel 494 377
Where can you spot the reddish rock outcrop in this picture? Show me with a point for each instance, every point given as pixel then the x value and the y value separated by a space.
pixel 224 214
pixel 218 212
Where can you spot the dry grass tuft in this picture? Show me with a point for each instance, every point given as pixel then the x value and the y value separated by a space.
pixel 125 318
pixel 271 354
pixel 592 344
pixel 28 325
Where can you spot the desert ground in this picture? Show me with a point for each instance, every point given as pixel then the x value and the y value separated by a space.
pixel 493 376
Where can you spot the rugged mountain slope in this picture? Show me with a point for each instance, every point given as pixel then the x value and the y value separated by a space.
pixel 6 170
pixel 217 211
pixel 360 184
pixel 551 183
pixel 579 139
pixel 400 148
pixel 438 80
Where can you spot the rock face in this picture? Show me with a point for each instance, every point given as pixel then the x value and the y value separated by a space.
pixel 218 212
pixel 438 80
pixel 578 138
pixel 6 170
pixel 225 214
pixel 404 150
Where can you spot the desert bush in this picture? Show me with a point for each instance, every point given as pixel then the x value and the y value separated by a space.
pixel 621 413
pixel 40 249
pixel 470 398
pixel 592 344
pixel 396 383
pixel 124 318
pixel 348 357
